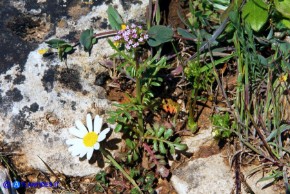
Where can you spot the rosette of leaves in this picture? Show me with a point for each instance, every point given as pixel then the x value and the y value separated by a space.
pixel 163 140
pixel 63 48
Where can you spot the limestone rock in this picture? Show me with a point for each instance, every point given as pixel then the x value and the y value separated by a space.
pixel 203 176
pixel 41 99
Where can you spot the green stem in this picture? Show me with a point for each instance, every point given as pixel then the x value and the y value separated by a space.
pixel 138 94
pixel 115 163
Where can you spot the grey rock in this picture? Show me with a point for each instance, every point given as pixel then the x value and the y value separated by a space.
pixel 203 176
pixel 40 100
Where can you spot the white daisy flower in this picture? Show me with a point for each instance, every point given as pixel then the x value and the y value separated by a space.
pixel 88 137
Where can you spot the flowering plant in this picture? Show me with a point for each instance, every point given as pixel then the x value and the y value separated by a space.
pixel 132 36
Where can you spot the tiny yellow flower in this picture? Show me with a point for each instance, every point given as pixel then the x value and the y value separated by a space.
pixel 116 43
pixel 43 51
pixel 283 78
pixel 123 26
pixel 87 2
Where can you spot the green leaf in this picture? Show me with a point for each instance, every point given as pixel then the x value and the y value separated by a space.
pixel 135 156
pixel 185 34
pixel 68 49
pixel 159 34
pixel 180 147
pixel 160 132
pixel 168 133
pixel 115 19
pixel 86 39
pixel 155 145
pixel 94 40
pixel 283 7
pixel 286 23
pixel 255 13
pixel 162 148
pixel 172 149
pixel 118 128
pixel 274 176
pixel 130 144
pixel 281 129
pixel 55 43
pixel 129 158
pixel 155 84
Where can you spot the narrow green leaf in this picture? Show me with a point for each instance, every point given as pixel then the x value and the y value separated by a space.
pixel 168 133
pixel 118 128
pixel 180 147
pixel 160 132
pixel 155 84
pixel 162 148
pixel 135 156
pixel 282 129
pixel 129 143
pixel 172 149
pixel 272 176
pixel 115 19
pixel 55 43
pixel 155 145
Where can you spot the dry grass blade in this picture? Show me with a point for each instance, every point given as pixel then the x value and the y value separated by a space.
pixel 51 171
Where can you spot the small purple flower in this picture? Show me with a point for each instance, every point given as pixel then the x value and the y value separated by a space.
pixel 134 36
pixel 126 33
pixel 146 36
pixel 134 31
pixel 141 39
pixel 130 42
pixel 126 38
pixel 135 45
pixel 128 47
pixel 117 38
pixel 133 25
pixel 140 27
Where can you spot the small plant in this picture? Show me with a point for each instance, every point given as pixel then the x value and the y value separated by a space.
pixel 63 48
pixel 221 126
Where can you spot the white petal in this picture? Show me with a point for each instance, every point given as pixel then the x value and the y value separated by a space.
pixel 82 150
pixel 90 153
pixel 74 141
pixel 78 133
pixel 97 146
pixel 103 134
pixel 81 126
pixel 89 122
pixel 98 122
pixel 75 150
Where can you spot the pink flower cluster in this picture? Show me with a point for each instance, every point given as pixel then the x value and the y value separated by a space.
pixel 132 36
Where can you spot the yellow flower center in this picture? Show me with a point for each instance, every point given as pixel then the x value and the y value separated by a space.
pixel 90 139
